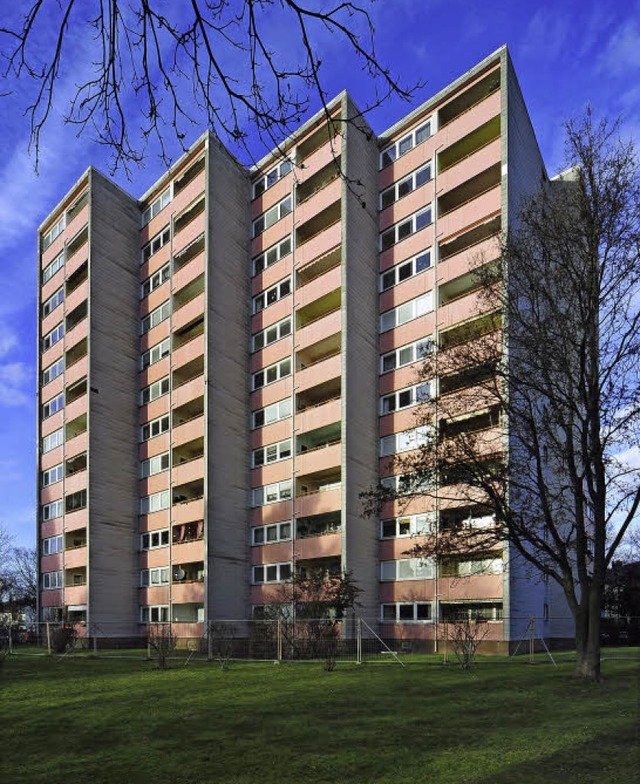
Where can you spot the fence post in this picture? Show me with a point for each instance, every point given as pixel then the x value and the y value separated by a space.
pixel 358 640
pixel 48 638
pixel 10 637
pixel 279 640
pixel 95 642
pixel 209 642
pixel 532 637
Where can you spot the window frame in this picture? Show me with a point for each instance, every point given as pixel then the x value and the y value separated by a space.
pixel 280 566
pixel 163 498
pixel 53 337
pixel 410 178
pixel 53 440
pixel 155 317
pixel 151 423
pixel 287 165
pixel 286 283
pixel 55 231
pixel 51 476
pixel 277 405
pixel 281 372
pixel 156 206
pixel 147 465
pixel 149 389
pixel 263 490
pixel 52 267
pixel 411 222
pixel 414 396
pixel 163 275
pixel 420 306
pixel 398 619
pixel 158 241
pixel 52 303
pixel 164 350
pixel 413 137
pixel 429 565
pixel 278 326
pixel 279 448
pixel 160 533
pixel 59 364
pixel 259 534
pixel 396 269
pixel 415 438
pixel 56 507
pixel 51 545
pixel 420 524
pixel 265 220
pixel 277 249
pixel 52 406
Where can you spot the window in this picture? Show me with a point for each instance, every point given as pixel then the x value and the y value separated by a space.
pixel 53 371
pixel 405 612
pixel 271 453
pixel 404 398
pixel 467 567
pixel 406 312
pixel 154 428
pixel 478 611
pixel 271 255
pixel 50 270
pixel 157 613
pixel 155 317
pixel 269 179
pixel 155 281
pixel 56 334
pixel 52 545
pixel 55 231
pixel 405 270
pixel 75 501
pixel 51 511
pixel 273 413
pixel 406 440
pixel 155 353
pixel 408 142
pixel 154 245
pixel 407 569
pixel 151 577
pixel 154 465
pixel 271 494
pixel 404 186
pixel 154 391
pixel 405 228
pixel 268 534
pixel 52 406
pixel 271 295
pixel 154 539
pixel 408 525
pixel 271 334
pixel 271 573
pixel 52 580
pixel 159 204
pixel 53 440
pixel 52 475
pixel 271 374
pixel 411 483
pixel 52 303
pixel 271 216
pixel 155 502
pixel 406 355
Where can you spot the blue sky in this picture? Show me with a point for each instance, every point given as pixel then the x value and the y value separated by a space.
pixel 566 53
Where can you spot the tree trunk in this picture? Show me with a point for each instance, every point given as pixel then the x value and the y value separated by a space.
pixel 588 639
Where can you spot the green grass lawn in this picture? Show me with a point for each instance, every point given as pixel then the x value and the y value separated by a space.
pixel 116 720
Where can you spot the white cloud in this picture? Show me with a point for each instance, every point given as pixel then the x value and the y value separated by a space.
pixel 8 341
pixel 15 378
pixel 622 54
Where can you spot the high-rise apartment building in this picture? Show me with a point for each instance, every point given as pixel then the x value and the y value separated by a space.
pixel 228 361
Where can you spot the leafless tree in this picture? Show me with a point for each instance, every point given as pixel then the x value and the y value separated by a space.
pixel 18 575
pixel 551 367
pixel 147 69
pixel 162 643
pixel 465 636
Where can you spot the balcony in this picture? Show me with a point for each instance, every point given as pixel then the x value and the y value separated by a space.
pixel 328 131
pixel 75 520
pixel 319 536
pixel 469 189
pixel 75 391
pixel 314 222
pixel 188 492
pixel 184 319
pixel 74 540
pixel 316 182
pixel 312 298
pixel 75 594
pixel 75 427
pixel 316 374
pixel 312 399
pixel 189 331
pixel 467 145
pixel 192 550
pixel 189 226
pixel 473 213
pixel 75 464
pixel 188 451
pixel 75 354
pixel 77 242
pixel 187 412
pixel 470 330
pixel 190 431
pixel 468 99
pixel 189 471
pixel 189 265
pixel 188 361
pixel 76 558
pixel 189 292
pixel 188 613
pixel 194 177
pixel 318 351
pixel 319 450
pixel 191 213
pixel 75 577
pixel 186 534
pixel 77 288
pixel 308 273
pixel 326 568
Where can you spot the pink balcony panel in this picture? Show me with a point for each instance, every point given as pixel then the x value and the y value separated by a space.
pixel 154 521
pixel 266 594
pixel 471 214
pixel 188 272
pixel 270 434
pixel 462 262
pixel 271 513
pixel 274 472
pixel 188 312
pixel 75 558
pixel 154 446
pixel 189 391
pixel 154 372
pixel 408 289
pixel 188 431
pixel 51 598
pixel 319 416
pixel 318 287
pixel 49 459
pixel 319 201
pixel 476 163
pixel 76 482
pixel 406 333
pixel 154 409
pixel 77 296
pixel 187 593
pixel 272 553
pixel 408 591
pixel 319 159
pixel 75 594
pixel 53 388
pixel 470 120
pixel 271 314
pixel 319 245
pixel 78 407
pixel 155 262
pixel 75 520
pixel 51 563
pixel 318 330
pixel 150 559
pixel 319 373
pixel 188 552
pixel 77 371
pixel 182 199
pixel 407 205
pixel 54 249
pixel 271 393
pixel 410 161
pixel 281 269
pixel 78 333
pixel 399 379
pixel 462 309
pixel 189 233
pixel 156 595
pixel 78 444
pixel 51 423
pixel 319 503
pixel 271 354
pixel 411 246
pixel 76 261
pixel 188 472
pixel 479 586
pixel 401 420
pixel 185 631
pixel 154 484
pixel 273 234
pixel 319 459
pixel 191 350
pixel 48 323
pixel 271 196
pixel 51 528
pixel 155 335
pixel 155 299
pixel 391 549
pixel 49 356
pixel 188 512
pixel 79 221
pixel 52 285
pixel 329 545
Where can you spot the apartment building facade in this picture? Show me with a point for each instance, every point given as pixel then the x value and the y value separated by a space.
pixel 227 362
